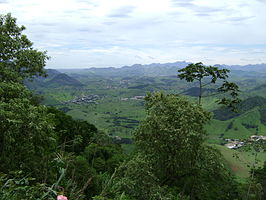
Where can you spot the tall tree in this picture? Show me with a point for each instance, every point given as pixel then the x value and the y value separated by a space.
pixel 18 58
pixel 171 134
pixel 26 130
pixel 207 75
pixel 172 139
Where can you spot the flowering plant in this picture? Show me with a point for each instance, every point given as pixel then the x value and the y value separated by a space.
pixel 61 197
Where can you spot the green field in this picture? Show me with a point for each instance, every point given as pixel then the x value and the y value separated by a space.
pixel 117 114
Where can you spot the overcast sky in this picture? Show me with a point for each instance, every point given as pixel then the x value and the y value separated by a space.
pixel 103 33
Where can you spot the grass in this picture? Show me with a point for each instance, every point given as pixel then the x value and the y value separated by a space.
pixel 240 162
pixel 116 117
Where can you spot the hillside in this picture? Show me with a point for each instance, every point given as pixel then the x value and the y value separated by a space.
pixel 63 80
pixel 39 81
pixel 239 127
pixel 245 106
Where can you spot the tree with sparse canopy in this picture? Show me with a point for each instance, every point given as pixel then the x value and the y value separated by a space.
pixel 207 75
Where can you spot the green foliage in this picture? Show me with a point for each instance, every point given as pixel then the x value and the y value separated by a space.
pixel 79 178
pixel 27 136
pixel 16 52
pixel 104 158
pixel 134 180
pixel 171 134
pixel 17 186
pixel 72 135
pixel 198 72
pixel 210 178
pixel 43 142
pixel 171 138
pixel 262 111
pixel 138 181
pixel 260 177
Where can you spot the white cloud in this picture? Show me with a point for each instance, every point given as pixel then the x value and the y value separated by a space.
pixel 98 33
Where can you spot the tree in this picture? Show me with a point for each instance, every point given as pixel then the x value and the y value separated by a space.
pixel 171 135
pixel 171 139
pixel 27 135
pixel 18 58
pixel 43 144
pixel 260 177
pixel 72 135
pixel 201 73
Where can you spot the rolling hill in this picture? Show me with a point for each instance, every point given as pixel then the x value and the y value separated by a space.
pixel 63 80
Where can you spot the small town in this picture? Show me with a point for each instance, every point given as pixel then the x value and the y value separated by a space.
pixel 133 98
pixel 236 143
pixel 89 99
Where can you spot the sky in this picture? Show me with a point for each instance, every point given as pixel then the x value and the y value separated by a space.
pixel 115 33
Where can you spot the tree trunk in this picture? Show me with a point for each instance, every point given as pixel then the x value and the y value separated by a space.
pixel 200 91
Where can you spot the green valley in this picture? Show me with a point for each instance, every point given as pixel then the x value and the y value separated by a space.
pixel 119 107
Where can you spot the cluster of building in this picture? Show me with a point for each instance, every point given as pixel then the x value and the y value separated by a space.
pixel 236 143
pixel 257 137
pixel 91 99
pixel 133 98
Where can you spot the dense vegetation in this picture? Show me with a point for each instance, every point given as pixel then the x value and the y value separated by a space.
pixel 44 152
pixel 40 147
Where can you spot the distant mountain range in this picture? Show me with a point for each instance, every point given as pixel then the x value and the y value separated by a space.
pixel 250 68
pixel 72 77
pixel 154 69
pixel 158 69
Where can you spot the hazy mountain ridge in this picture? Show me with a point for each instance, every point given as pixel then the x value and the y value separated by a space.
pixel 154 69
pixel 162 69
pixel 251 67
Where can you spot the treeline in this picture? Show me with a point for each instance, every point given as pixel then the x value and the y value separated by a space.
pixel 44 152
